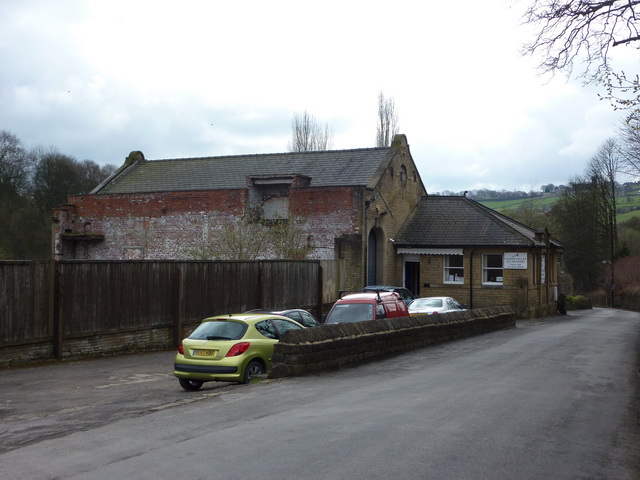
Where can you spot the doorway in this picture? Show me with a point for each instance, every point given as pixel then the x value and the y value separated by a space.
pixel 372 258
pixel 412 276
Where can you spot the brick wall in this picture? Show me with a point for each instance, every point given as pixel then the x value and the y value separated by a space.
pixel 154 226
pixel 330 213
pixel 167 225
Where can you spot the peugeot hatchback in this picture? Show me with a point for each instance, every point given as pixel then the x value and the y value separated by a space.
pixel 229 348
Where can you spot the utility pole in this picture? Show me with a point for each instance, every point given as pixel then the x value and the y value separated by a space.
pixel 613 285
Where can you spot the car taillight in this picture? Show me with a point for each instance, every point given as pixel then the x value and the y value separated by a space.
pixel 180 349
pixel 238 349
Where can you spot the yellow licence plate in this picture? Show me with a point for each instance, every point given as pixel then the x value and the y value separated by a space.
pixel 204 353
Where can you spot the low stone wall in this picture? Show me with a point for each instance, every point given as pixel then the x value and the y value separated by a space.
pixel 328 347
pixel 90 345
pixel 85 346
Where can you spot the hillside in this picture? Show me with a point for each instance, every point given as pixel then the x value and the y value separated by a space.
pixel 628 202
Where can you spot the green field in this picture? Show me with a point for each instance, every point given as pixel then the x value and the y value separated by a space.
pixel 516 204
pixel 628 206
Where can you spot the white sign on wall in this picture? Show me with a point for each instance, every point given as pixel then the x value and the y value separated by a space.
pixel 515 261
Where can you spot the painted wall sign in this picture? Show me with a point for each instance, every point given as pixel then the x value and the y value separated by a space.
pixel 515 261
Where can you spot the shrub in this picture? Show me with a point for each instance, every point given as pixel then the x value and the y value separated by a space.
pixel 578 302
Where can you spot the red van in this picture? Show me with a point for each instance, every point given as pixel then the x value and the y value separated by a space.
pixel 360 307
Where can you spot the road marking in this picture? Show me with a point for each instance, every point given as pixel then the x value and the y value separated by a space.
pixel 137 378
pixel 186 401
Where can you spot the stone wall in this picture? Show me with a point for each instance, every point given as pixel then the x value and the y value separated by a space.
pixel 520 289
pixel 87 346
pixel 336 346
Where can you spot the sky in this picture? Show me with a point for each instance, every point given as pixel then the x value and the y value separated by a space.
pixel 97 80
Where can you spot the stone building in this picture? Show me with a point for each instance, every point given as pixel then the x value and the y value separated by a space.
pixel 368 207
pixel 454 246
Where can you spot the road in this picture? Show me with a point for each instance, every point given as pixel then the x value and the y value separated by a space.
pixel 556 398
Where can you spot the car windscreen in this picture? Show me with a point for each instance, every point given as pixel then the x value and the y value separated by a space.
pixel 219 330
pixel 350 312
pixel 427 302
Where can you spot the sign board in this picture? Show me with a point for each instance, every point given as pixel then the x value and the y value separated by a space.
pixel 515 261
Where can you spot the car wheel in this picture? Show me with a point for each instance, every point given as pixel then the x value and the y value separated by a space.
pixel 190 385
pixel 254 368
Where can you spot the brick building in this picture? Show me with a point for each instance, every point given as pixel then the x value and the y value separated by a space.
pixel 352 202
pixel 368 207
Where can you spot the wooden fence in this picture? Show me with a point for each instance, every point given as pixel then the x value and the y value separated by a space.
pixel 64 308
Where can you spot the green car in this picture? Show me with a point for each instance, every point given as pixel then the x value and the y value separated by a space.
pixel 229 348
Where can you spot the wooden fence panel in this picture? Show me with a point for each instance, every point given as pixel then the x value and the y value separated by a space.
pixel 333 279
pixel 51 303
pixel 24 293
pixel 217 288
pixel 104 296
pixel 290 284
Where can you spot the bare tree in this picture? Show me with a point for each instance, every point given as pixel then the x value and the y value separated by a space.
pixel 629 135
pixel 580 29
pixel 604 168
pixel 232 240
pixel 16 213
pixel 578 221
pixel 55 176
pixel 248 239
pixel 15 163
pixel 308 135
pixel 387 121
pixel 583 32
pixel 289 240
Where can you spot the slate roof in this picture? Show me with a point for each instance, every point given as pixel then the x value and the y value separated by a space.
pixel 360 167
pixel 445 221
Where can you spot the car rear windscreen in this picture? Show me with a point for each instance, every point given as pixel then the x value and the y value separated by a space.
pixel 219 329
pixel 350 312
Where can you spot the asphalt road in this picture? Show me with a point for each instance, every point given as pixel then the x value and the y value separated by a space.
pixel 551 399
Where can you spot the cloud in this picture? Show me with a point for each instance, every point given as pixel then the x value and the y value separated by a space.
pixel 99 79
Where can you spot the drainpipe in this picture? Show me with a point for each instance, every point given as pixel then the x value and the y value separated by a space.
pixel 470 279
pixel 365 240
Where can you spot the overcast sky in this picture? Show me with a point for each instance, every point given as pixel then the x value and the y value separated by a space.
pixel 98 79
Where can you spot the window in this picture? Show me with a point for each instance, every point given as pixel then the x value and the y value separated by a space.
pixel 453 304
pixel 219 329
pixel 350 312
pixel 403 175
pixel 492 269
pixel 267 328
pixel 307 320
pixel 269 196
pixel 284 325
pixel 453 269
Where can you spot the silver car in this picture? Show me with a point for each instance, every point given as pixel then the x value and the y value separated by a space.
pixel 430 305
